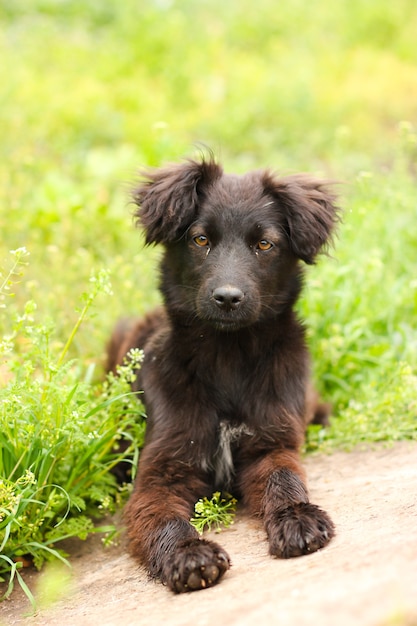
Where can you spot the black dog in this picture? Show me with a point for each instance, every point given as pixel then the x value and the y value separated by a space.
pixel 226 368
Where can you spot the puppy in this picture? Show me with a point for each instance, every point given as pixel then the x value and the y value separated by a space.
pixel 226 368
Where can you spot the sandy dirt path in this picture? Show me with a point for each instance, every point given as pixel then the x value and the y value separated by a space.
pixel 367 576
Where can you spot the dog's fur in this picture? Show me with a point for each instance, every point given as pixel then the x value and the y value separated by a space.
pixel 226 369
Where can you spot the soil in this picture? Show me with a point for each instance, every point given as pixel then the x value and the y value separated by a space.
pixel 367 576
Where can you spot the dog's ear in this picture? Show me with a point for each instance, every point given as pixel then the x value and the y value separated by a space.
pixel 167 200
pixel 309 211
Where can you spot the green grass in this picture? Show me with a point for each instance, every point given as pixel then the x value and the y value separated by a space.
pixel 59 439
pixel 92 91
pixel 363 331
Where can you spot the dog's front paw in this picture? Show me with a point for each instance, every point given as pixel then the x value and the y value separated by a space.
pixel 195 564
pixel 298 529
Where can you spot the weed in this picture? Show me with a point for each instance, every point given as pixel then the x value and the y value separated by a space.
pixel 214 513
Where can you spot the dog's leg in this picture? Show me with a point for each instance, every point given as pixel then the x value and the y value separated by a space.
pixel 161 537
pixel 273 487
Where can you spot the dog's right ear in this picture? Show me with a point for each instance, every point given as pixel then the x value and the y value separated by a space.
pixel 167 200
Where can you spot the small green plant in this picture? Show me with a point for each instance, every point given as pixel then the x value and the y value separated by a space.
pixel 11 277
pixel 59 441
pixel 214 513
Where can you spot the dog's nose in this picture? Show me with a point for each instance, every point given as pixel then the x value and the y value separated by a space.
pixel 228 297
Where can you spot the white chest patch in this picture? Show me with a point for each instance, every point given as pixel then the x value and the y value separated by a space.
pixel 223 459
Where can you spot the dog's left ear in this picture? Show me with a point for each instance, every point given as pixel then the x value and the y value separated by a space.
pixel 309 211
pixel 167 200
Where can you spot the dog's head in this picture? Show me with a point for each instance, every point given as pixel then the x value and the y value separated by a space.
pixel 233 242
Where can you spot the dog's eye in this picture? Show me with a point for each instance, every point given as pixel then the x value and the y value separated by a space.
pixel 264 245
pixel 201 240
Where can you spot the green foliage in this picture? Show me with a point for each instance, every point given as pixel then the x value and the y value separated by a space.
pixel 362 330
pixel 214 513
pixel 59 440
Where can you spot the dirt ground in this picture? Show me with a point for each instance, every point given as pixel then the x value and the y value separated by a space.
pixel 367 576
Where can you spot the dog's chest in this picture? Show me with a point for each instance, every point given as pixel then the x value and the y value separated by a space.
pixel 228 377
pixel 223 464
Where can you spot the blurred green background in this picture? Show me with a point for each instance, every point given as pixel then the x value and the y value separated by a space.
pixel 91 91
